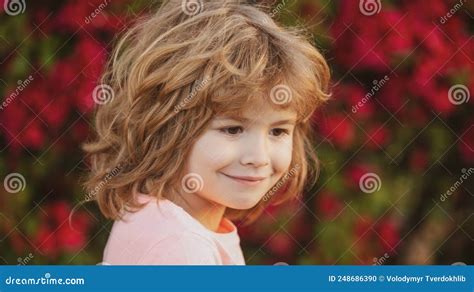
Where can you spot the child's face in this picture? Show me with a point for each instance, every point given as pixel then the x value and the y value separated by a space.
pixel 240 160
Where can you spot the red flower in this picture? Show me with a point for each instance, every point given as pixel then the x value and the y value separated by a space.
pixel 72 237
pixel 80 131
pixel 339 130
pixel 393 94
pixel 90 57
pixel 388 233
pixel 363 227
pixel 372 40
pixel 13 128
pixel 418 160
pixel 328 205
pixel 89 16
pixel 378 136
pixel 401 41
pixel 63 75
pixel 17 242
pixel 84 96
pixel 56 234
pixel 300 226
pixel 439 101
pixel 45 241
pixel 281 244
pixel 33 136
pixel 354 173
pixel 466 143
pixel 55 112
pixel 354 97
pixel 59 211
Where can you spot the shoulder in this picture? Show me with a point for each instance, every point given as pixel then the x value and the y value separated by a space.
pixel 182 248
pixel 163 235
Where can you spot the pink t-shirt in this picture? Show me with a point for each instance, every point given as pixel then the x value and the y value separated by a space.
pixel 165 234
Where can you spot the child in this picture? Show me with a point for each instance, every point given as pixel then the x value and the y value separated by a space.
pixel 207 122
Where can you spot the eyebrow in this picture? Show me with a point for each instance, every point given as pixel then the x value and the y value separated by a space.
pixel 282 122
pixel 247 120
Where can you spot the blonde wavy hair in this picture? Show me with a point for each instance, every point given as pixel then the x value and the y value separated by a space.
pixel 175 70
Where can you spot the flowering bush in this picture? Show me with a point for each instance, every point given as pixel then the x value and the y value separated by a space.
pixel 396 143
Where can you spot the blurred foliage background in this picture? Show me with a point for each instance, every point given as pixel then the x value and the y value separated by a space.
pixel 396 143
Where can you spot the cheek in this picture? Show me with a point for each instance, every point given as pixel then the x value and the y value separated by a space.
pixel 281 157
pixel 210 153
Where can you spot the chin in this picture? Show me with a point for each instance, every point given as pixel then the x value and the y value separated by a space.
pixel 244 204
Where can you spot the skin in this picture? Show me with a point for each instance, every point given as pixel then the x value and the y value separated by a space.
pixel 257 144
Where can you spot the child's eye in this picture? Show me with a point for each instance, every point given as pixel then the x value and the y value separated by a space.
pixel 232 130
pixel 280 132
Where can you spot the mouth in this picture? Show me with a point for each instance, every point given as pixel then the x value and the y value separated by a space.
pixel 246 180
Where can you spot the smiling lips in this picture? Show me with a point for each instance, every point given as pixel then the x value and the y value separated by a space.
pixel 247 180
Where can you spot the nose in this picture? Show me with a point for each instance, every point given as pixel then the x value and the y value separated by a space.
pixel 255 151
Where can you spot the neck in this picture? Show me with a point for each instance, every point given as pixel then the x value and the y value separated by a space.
pixel 208 213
